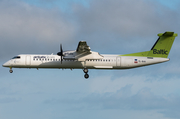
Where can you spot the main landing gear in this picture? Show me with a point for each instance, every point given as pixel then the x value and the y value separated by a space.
pixel 11 71
pixel 86 75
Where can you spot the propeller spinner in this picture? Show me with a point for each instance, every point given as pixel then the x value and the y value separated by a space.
pixel 60 53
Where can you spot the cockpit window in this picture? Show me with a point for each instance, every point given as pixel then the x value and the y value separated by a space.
pixel 16 57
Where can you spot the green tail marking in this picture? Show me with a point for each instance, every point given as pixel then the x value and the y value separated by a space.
pixel 161 48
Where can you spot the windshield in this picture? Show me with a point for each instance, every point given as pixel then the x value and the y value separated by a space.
pixel 16 57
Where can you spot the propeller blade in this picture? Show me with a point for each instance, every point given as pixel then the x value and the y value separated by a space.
pixel 61 59
pixel 61 49
pixel 60 53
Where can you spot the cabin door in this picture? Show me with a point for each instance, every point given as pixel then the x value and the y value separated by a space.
pixel 28 60
pixel 118 61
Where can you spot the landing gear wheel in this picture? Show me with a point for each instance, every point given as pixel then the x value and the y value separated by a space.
pixel 85 70
pixel 86 76
pixel 11 71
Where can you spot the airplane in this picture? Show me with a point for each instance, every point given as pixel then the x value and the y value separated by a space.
pixel 84 58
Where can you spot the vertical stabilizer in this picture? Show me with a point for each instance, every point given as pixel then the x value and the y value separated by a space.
pixel 161 48
pixel 163 45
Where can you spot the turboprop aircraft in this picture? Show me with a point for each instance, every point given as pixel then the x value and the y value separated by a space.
pixel 84 58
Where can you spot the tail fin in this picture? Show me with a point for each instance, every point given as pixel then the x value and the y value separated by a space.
pixel 163 45
pixel 161 48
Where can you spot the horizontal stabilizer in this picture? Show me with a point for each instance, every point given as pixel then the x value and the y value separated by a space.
pixel 168 34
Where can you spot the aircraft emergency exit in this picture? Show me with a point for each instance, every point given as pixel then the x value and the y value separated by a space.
pixel 84 58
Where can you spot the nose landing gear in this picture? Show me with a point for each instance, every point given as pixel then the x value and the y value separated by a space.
pixel 11 71
pixel 86 75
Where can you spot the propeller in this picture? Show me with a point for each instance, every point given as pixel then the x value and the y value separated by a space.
pixel 60 53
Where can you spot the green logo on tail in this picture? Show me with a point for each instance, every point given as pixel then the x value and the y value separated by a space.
pixel 161 51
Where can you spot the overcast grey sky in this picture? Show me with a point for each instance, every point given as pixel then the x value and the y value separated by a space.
pixel 108 26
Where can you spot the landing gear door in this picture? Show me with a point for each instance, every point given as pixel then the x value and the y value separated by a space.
pixel 28 60
pixel 118 61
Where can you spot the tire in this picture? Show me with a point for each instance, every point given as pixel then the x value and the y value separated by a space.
pixel 86 76
pixel 11 71
pixel 85 70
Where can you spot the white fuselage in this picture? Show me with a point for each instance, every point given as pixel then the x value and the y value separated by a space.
pixel 108 62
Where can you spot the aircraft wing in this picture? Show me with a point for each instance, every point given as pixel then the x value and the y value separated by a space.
pixel 83 47
pixel 83 52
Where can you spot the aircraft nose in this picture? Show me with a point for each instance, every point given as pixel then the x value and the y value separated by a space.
pixel 6 64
